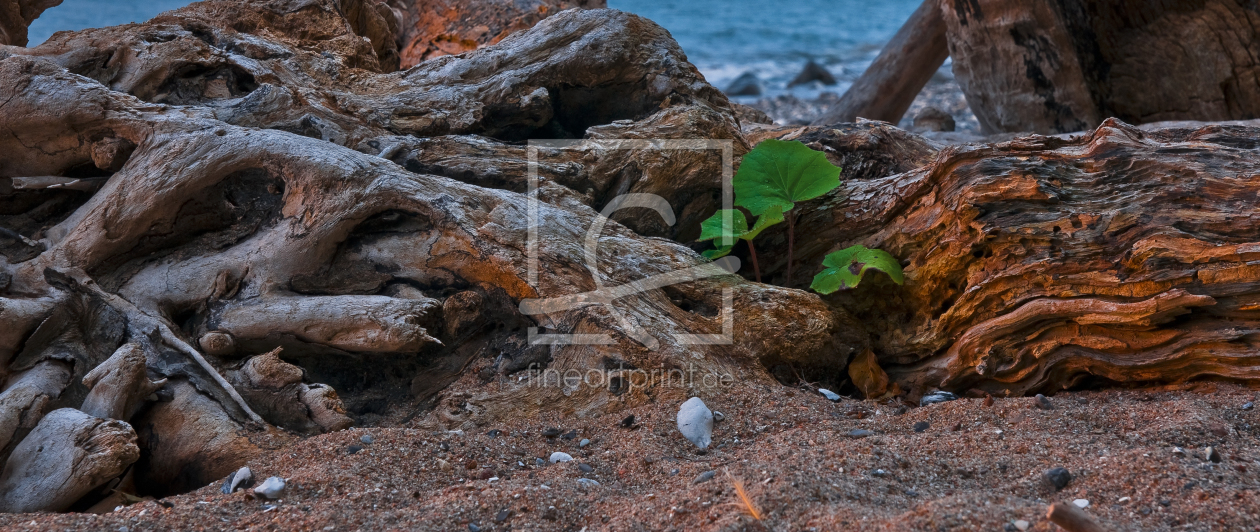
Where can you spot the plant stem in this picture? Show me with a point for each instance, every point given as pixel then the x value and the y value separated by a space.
pixel 752 251
pixel 791 221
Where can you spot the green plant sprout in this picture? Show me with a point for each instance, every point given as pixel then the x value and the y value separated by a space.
pixel 716 228
pixel 778 174
pixel 773 177
pixel 846 267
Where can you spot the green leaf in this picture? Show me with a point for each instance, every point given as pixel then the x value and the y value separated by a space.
pixel 715 254
pixel 846 267
pixel 781 173
pixel 772 216
pixel 715 227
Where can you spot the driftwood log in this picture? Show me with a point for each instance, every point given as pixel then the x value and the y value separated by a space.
pixel 1063 66
pixel 264 183
pixel 886 89
pixel 433 28
pixel 1120 256
pixel 254 176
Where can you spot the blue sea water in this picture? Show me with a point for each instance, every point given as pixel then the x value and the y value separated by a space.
pixel 723 38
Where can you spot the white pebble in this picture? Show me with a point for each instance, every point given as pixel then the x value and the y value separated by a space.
pixel 695 422
pixel 1021 524
pixel 560 457
pixel 272 488
pixel 1081 503
pixel 830 395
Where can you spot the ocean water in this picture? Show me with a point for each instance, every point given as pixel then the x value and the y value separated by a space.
pixel 723 38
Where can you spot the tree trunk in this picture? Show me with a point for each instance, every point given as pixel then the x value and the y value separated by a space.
pixel 1057 66
pixel 905 65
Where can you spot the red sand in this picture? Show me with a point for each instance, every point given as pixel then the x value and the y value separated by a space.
pixel 975 468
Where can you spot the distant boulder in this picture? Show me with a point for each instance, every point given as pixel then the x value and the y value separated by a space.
pixel 746 84
pixel 813 72
pixel 933 119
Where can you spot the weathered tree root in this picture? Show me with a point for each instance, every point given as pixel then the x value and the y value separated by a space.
pixel 375 277
pixel 1120 256
pixel 67 455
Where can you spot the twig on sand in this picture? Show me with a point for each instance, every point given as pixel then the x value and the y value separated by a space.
pixel 1072 518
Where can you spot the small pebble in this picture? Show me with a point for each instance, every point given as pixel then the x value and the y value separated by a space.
pixel 585 468
pixel 860 433
pixel 587 483
pixel 988 400
pixel 1165 503
pixel 879 473
pixel 551 432
pixel 1058 477
pixel 444 465
pixel 560 457
pixel 673 472
pixel 272 488
pixel 494 433
pixel 472 527
pixel 718 417
pixel 444 446
pixel 1211 455
pixel 628 422
pixel 1042 402
pixel 354 449
pixel 695 422
pixel 367 438
pixel 584 443
pixel 240 479
pixel 937 397
pixel 921 426
pixel 1178 451
pixel 1124 500
pixel 569 435
pixel 1081 503
pixel 830 395
pixel 704 477
pixel 502 515
pixel 1248 405
pixel 1021 524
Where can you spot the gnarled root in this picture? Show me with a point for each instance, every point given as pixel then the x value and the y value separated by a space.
pixel 67 455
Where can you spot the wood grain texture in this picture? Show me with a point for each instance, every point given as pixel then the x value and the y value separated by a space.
pixel 1057 66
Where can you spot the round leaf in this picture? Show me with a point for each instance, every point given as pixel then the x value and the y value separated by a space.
pixel 781 173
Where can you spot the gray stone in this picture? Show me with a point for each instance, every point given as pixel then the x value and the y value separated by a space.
pixel 746 84
pixel 860 433
pixel 695 422
pixel 560 457
pixel 272 488
pixel 584 443
pixel 1058 477
pixel 813 72
pixel 704 477
pixel 830 395
pixel 937 397
pixel 367 438
pixel 921 426
pixel 240 479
